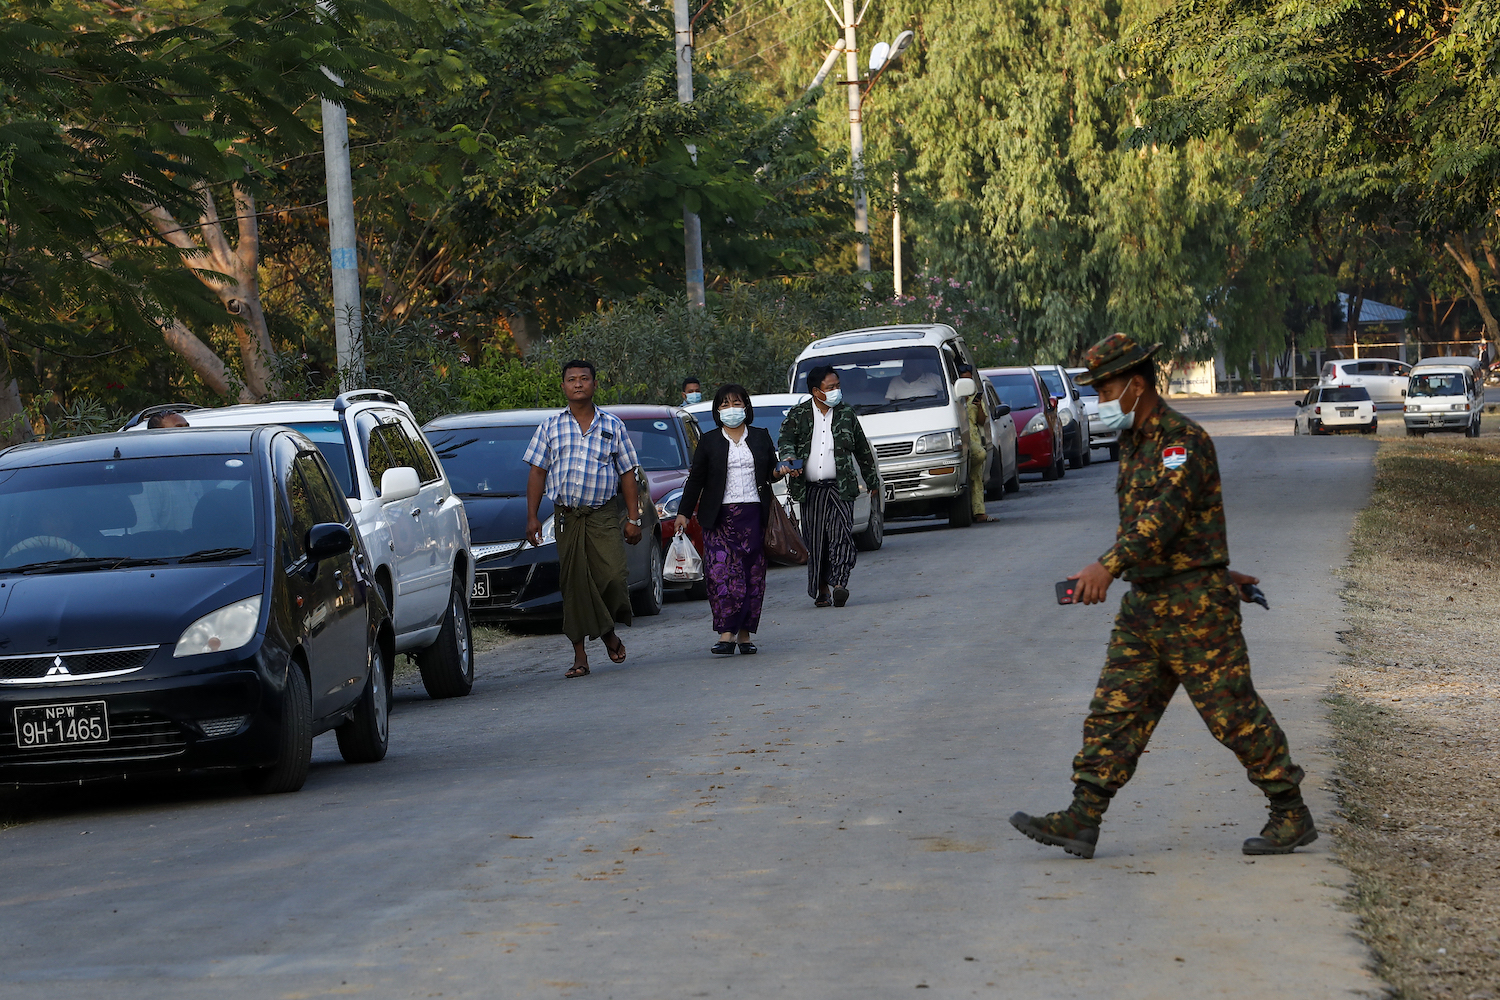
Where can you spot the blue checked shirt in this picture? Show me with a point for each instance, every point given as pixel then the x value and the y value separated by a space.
pixel 583 470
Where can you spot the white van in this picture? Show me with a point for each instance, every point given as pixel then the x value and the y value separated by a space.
pixel 903 382
pixel 1445 394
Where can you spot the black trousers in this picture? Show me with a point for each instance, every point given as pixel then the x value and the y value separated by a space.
pixel 828 532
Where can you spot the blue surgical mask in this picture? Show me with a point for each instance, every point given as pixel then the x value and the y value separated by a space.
pixel 732 416
pixel 1115 418
pixel 693 397
pixel 833 397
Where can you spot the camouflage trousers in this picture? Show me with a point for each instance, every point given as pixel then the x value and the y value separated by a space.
pixel 1185 631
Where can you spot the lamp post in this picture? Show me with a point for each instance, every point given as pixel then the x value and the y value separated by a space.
pixel 349 345
pixel 692 231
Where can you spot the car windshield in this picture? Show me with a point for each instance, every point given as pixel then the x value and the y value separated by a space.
pixel 883 381
pixel 1346 394
pixel 1445 384
pixel 1053 382
pixel 1017 391
pixel 329 437
pixel 485 461
pixel 102 515
pixel 657 443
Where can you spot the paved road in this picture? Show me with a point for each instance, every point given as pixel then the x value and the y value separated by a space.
pixel 824 820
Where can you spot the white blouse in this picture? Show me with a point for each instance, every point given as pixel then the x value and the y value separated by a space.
pixel 739 484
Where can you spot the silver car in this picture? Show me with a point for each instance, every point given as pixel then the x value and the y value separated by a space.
pixel 1099 435
pixel 1070 412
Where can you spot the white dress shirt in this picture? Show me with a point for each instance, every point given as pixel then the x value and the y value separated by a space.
pixel 820 464
pixel 739 484
pixel 926 384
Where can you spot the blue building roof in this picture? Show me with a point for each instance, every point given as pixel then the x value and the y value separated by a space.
pixel 1372 312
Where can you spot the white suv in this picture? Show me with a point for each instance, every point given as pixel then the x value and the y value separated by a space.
pixel 1386 380
pixel 414 529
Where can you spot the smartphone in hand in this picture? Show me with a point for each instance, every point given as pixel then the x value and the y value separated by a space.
pixel 1254 595
pixel 1065 591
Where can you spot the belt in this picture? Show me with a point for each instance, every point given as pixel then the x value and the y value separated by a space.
pixel 581 509
pixel 823 483
pixel 1163 582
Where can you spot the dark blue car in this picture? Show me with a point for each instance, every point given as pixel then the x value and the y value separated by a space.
pixel 184 599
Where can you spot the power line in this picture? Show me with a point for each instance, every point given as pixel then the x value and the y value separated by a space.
pixel 769 17
pixel 776 45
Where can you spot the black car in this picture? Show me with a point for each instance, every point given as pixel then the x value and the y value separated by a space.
pixel 181 600
pixel 513 579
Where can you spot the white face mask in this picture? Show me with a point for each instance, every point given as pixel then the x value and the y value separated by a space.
pixel 732 416
pixel 693 397
pixel 1115 418
pixel 833 397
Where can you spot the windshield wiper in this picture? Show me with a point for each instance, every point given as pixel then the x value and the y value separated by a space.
pixel 83 563
pixel 214 555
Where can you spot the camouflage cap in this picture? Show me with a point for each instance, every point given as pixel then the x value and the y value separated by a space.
pixel 1112 355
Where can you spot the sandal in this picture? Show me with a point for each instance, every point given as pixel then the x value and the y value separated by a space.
pixel 578 670
pixel 616 650
pixel 721 647
pixel 823 602
pixel 981 518
pixel 746 648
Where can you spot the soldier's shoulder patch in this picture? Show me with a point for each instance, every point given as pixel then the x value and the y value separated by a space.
pixel 1174 457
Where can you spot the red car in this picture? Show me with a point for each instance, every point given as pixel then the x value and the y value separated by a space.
pixel 665 438
pixel 1039 439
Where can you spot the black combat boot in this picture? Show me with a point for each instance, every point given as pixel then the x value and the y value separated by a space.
pixel 1290 827
pixel 1076 828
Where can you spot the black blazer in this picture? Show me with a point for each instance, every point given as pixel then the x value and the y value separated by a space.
pixel 704 489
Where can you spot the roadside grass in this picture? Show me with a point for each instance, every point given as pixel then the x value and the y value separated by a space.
pixel 485 638
pixel 1416 718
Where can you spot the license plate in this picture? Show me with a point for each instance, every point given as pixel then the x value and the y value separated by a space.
pixel 890 491
pixel 481 587
pixel 61 725
pixel 1346 413
pixel 1434 420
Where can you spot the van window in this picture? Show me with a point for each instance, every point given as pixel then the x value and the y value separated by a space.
pixel 1345 394
pixel 1437 384
pixel 884 380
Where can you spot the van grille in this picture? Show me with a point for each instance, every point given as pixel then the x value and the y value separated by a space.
pixel 893 449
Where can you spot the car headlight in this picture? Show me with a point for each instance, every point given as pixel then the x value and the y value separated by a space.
pixel 667 506
pixel 1413 408
pixel 1066 416
pixel 229 627
pixel 929 444
pixel 1035 425
pixel 1459 406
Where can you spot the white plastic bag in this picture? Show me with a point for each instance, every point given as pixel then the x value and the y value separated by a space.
pixel 684 565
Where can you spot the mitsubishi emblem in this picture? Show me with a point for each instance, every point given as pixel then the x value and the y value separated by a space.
pixel 57 669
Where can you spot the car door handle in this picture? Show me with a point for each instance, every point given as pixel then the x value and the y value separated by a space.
pixel 416 512
pixel 338 576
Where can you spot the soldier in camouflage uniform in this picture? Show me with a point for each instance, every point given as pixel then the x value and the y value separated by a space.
pixel 1178 624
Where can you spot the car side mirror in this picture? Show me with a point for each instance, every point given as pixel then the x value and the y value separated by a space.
pixel 965 387
pixel 1075 395
pixel 324 541
pixel 1003 410
pixel 400 483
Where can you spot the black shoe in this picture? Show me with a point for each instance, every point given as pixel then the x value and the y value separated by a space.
pixel 747 648
pixel 1286 830
pixel 840 596
pixel 1060 829
pixel 722 648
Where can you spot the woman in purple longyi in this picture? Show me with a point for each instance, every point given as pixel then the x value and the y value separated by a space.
pixel 729 485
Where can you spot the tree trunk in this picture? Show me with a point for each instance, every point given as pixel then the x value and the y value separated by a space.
pixel 235 278
pixel 1473 280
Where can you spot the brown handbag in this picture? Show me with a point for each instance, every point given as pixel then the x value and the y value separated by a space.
pixel 783 538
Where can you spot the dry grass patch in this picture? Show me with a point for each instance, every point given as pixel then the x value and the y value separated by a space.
pixel 1415 712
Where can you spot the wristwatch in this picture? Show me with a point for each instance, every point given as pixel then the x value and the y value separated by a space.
pixel 633 520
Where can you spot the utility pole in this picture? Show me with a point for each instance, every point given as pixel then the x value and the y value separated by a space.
pixel 856 132
pixel 347 324
pixel 692 231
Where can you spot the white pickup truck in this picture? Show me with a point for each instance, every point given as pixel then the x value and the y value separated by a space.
pixel 415 530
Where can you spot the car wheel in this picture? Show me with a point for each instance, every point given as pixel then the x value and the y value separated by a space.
pixel 648 600
pixel 1052 471
pixel 1088 456
pixel 873 537
pixel 1114 453
pixel 1412 432
pixel 365 738
pixel 1013 484
pixel 294 743
pixel 1075 460
pixel 448 664
pixel 960 512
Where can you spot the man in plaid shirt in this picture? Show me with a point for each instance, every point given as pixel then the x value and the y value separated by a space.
pixel 582 459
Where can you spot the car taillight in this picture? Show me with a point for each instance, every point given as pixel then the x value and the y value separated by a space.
pixel 1317 409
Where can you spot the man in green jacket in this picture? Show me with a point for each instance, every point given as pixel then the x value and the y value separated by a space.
pixel 826 435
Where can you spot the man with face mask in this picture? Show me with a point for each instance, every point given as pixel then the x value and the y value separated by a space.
pixel 825 434
pixel 692 391
pixel 1178 624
